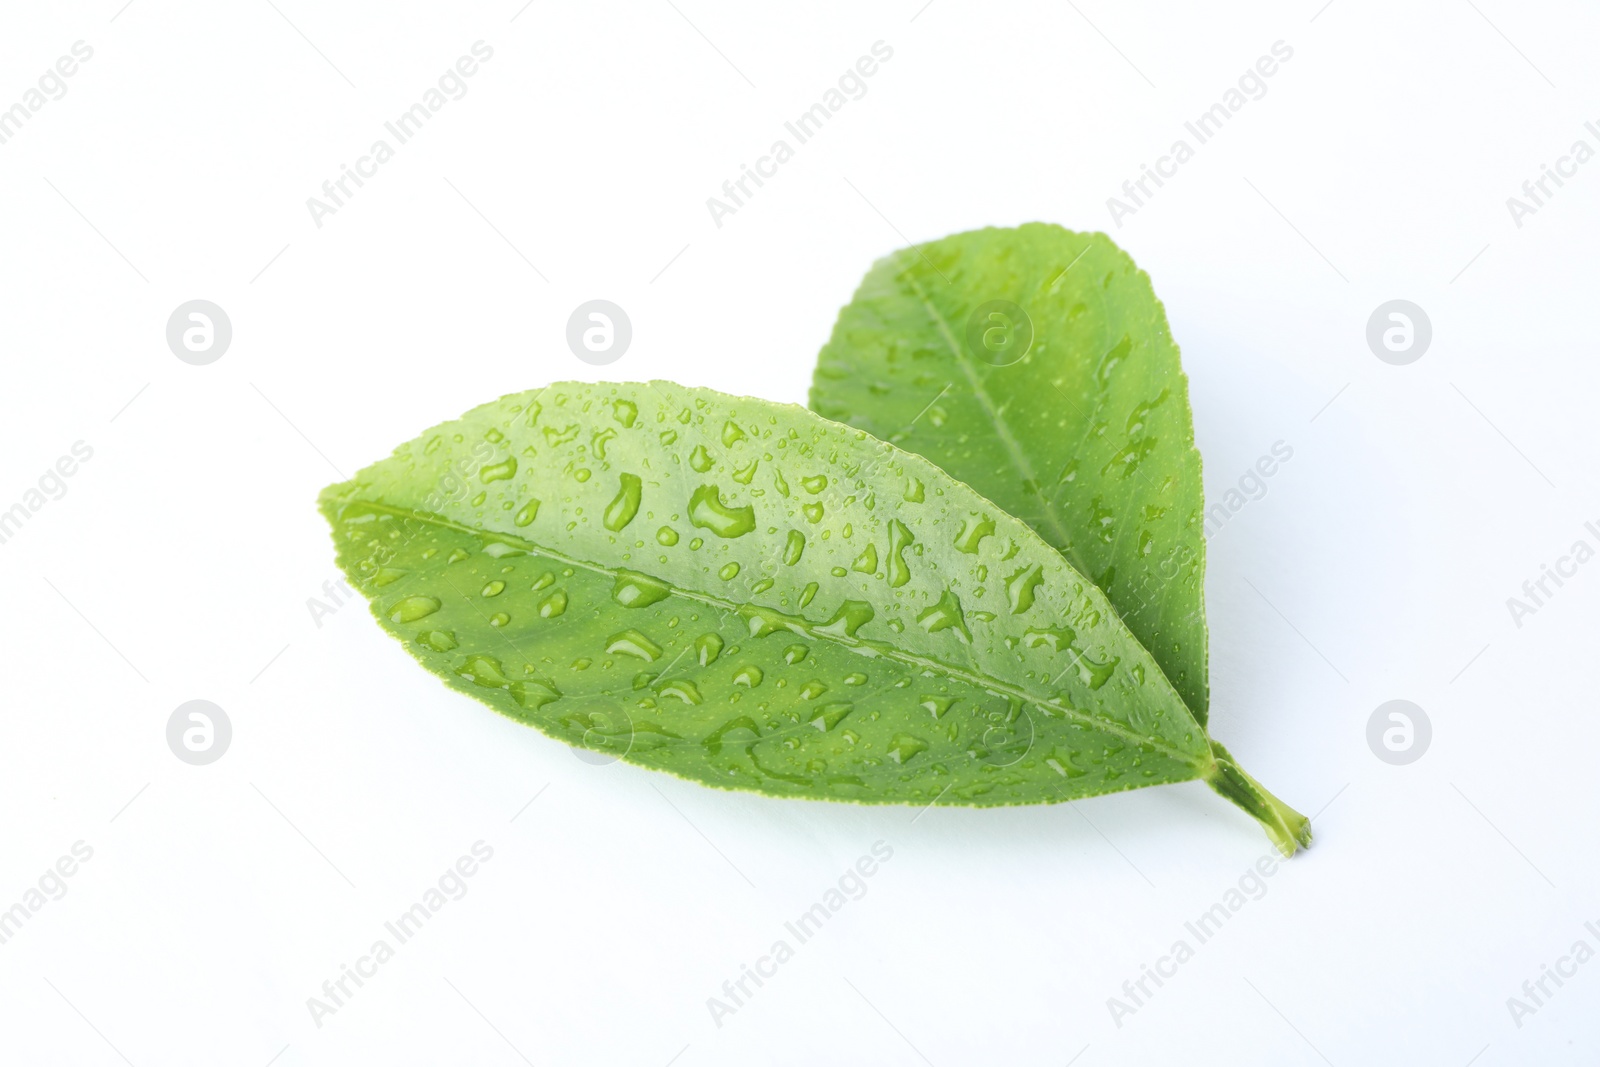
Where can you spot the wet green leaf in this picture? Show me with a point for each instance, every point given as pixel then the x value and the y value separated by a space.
pixel 1035 365
pixel 650 605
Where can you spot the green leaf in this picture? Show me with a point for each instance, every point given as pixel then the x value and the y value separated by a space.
pixel 1072 415
pixel 680 578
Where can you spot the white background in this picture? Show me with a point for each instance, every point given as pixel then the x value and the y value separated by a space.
pixel 179 563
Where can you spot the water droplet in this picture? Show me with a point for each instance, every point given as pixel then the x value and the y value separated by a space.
pixel 485 671
pixel 744 474
pixel 1056 639
pixel 494 588
pixel 914 492
pixel 669 437
pixel 812 690
pixel 553 605
pixel 1020 587
pixel 1109 361
pixel 731 434
pixel 582 474
pixel 793 546
pixel 599 439
pixel 973 531
pixel 682 689
pixel 707 648
pixel 762 586
pixel 700 459
pixel 1126 461
pixel 625 412
pixel 1060 761
pixel 748 676
pixel 937 705
pixel 813 513
pixel 808 593
pixel 499 618
pixel 713 741
pixel 899 540
pixel 438 640
pixel 387 576
pixel 667 536
pixel 1102 517
pixel 625 505
pixel 562 436
pixel 867 562
pixel 413 608
pixel 544 581
pixel 633 643
pixel 794 654
pixel 535 693
pixel 815 484
pixel 529 512
pixel 707 511
pixel 945 615
pixel 1141 413
pixel 496 472
pixel 851 616
pixel 1094 674
pixel 903 746
pixel 634 590
pixel 729 571
pixel 828 716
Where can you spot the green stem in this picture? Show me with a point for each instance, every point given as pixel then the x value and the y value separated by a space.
pixel 1287 828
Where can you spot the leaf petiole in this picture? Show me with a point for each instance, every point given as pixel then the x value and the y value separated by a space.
pixel 1287 828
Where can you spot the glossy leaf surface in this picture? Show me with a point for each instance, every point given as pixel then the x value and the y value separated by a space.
pixel 754 597
pixel 1035 364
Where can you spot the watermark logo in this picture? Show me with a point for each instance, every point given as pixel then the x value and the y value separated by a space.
pixel 51 886
pixel 851 885
pixel 199 332
pixel 451 85
pixel 1251 85
pixel 1549 181
pixel 450 886
pixel 852 85
pixel 1007 738
pixel 52 486
pixel 199 732
pixel 1138 992
pixel 1399 332
pixel 1252 485
pixel 52 86
pixel 1538 591
pixel 1536 992
pixel 1399 732
pixel 607 730
pixel 599 332
pixel 999 332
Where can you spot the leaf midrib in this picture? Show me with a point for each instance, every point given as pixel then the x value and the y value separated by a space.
pixel 1001 427
pixel 887 651
pixel 1014 448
